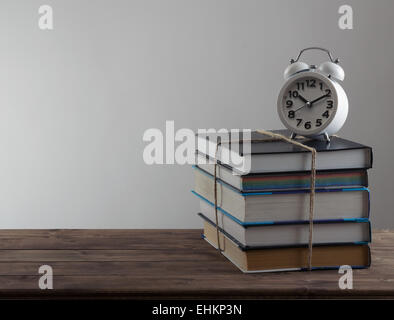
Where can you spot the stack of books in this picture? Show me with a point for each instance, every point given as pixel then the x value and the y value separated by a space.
pixel 263 214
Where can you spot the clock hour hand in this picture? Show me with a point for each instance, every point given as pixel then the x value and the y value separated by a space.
pixel 302 98
pixel 307 103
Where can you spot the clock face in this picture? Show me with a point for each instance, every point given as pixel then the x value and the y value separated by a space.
pixel 307 104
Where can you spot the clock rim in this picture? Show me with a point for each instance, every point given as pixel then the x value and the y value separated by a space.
pixel 328 82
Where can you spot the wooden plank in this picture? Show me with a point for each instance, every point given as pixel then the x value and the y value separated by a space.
pixel 119 238
pixel 98 239
pixel 106 255
pixel 135 268
pixel 166 264
pixel 255 286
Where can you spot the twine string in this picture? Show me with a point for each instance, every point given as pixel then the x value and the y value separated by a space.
pixel 218 143
pixel 275 137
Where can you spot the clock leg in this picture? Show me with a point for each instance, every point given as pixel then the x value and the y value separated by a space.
pixel 327 137
pixel 293 135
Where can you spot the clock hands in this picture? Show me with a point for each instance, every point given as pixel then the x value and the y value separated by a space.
pixel 307 103
pixel 318 99
pixel 301 107
pixel 302 98
pixel 310 103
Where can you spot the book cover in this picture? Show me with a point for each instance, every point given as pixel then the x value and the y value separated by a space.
pixel 267 156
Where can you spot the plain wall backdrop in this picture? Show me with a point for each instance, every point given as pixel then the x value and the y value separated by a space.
pixel 76 101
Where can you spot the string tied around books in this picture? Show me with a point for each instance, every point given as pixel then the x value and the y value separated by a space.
pixel 275 137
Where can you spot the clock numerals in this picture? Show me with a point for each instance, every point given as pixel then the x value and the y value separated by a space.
pixel 293 94
pixel 300 86
pixel 308 104
pixel 308 124
pixel 311 83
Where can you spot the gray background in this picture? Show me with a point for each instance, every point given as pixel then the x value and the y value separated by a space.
pixel 75 101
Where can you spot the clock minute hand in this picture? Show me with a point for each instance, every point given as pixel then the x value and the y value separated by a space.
pixel 318 99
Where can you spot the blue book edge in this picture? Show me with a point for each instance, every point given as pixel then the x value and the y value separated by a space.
pixel 247 248
pixel 269 191
pixel 265 223
pixel 291 191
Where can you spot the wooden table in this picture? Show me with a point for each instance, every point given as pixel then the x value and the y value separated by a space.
pixel 165 264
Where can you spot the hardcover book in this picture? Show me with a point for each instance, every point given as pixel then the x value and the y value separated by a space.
pixel 290 205
pixel 263 199
pixel 280 156
pixel 285 181
pixel 287 259
pixel 292 233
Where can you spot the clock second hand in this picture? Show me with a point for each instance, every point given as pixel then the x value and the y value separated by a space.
pixel 301 107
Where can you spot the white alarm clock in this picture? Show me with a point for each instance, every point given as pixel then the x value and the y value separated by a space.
pixel 312 103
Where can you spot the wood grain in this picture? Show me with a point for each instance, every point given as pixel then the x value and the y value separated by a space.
pixel 170 264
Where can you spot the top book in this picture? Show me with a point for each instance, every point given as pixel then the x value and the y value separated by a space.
pixel 262 155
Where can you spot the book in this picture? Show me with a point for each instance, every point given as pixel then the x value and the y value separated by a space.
pixel 290 205
pixel 281 156
pixel 286 181
pixel 287 259
pixel 292 234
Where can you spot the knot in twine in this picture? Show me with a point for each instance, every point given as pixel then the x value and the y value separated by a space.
pixel 276 137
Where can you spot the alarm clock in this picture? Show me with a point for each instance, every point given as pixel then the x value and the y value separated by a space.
pixel 311 102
